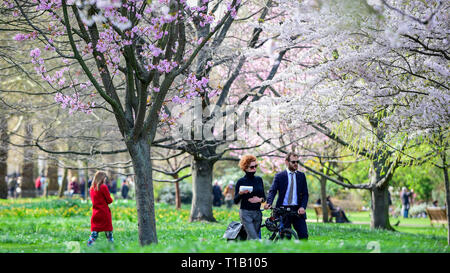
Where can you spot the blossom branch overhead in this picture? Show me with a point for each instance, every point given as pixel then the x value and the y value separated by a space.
pixel 114 32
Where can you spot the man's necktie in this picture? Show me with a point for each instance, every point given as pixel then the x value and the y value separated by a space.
pixel 291 189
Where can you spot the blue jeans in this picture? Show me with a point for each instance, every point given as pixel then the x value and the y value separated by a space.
pixel 405 211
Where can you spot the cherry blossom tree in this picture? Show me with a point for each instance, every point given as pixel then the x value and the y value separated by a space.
pixel 102 45
pixel 4 138
pixel 378 79
pixel 209 125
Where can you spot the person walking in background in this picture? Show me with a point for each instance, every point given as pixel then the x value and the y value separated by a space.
pixel 131 190
pixel 19 186
pixel 228 192
pixel 217 194
pixel 73 186
pixel 12 185
pixel 114 187
pixel 108 184
pixel 405 196
pixel 124 189
pixel 292 190
pixel 82 188
pixel 250 192
pixel 101 214
pixel 413 197
pixel 38 185
pixel 89 183
pixel 44 184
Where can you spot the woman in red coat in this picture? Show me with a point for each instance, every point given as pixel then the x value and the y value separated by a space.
pixel 101 214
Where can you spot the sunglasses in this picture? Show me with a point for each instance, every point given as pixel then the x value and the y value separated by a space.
pixel 253 167
pixel 294 161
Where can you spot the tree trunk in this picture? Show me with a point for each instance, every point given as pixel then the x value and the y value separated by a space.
pixel 323 198
pixel 145 201
pixel 27 188
pixel 447 192
pixel 380 199
pixel 202 199
pixel 63 183
pixel 86 179
pixel 177 195
pixel 4 139
pixel 51 178
pixel 378 171
pixel 380 208
pixel 177 192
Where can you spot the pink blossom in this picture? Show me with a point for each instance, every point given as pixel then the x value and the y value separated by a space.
pixel 213 93
pixel 166 66
pixel 101 47
pixel 232 8
pixel 127 42
pixel 35 53
pixel 8 4
pixel 19 37
pixel 49 48
pixel 155 51
pixel 177 100
pixel 73 103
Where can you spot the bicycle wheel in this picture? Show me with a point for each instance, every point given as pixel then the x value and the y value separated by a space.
pixel 274 236
pixel 288 234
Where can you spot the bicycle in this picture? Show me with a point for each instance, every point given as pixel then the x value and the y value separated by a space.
pixel 274 223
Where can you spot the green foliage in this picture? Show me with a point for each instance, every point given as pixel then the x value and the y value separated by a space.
pixel 225 172
pixel 162 187
pixel 358 172
pixel 335 54
pixel 167 194
pixel 314 188
pixel 422 179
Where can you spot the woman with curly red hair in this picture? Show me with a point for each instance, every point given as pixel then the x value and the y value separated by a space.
pixel 250 192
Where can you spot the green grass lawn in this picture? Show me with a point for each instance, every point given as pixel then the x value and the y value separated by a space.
pixel 364 216
pixel 53 225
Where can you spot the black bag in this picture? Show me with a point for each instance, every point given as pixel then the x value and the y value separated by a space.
pixel 340 219
pixel 235 231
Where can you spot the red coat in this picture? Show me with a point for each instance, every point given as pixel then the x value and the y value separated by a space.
pixel 37 183
pixel 101 214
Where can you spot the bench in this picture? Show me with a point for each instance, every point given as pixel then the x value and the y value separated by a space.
pixel 437 215
pixel 319 213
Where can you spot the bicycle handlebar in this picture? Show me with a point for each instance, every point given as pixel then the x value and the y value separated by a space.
pixel 286 211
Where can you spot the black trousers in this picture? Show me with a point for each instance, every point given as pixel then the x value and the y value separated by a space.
pixel 299 223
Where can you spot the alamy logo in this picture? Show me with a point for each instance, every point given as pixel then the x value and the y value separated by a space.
pixel 195 121
pixel 374 246
pixel 73 247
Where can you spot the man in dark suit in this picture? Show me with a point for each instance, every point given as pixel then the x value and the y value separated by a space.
pixel 292 193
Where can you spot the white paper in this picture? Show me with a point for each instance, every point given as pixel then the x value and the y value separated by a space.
pixel 248 188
